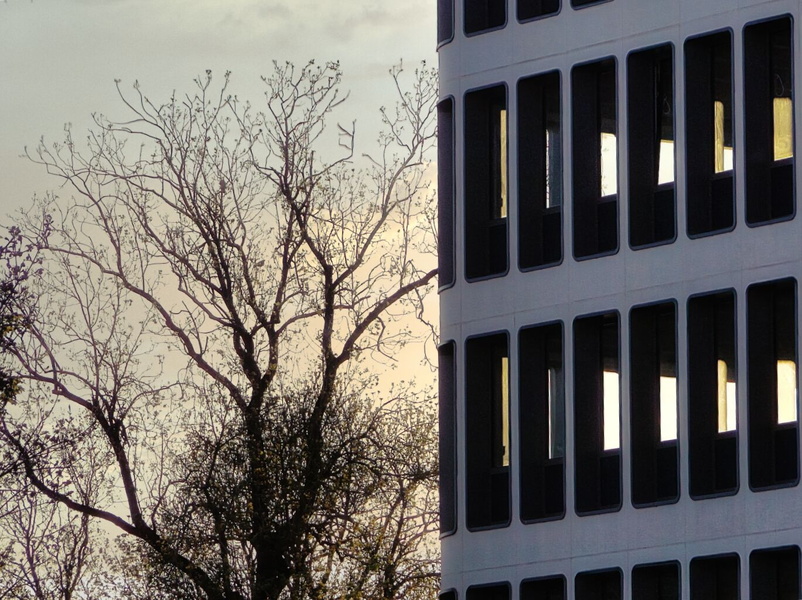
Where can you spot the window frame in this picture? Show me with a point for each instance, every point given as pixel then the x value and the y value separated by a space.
pixel 477 252
pixel 591 207
pixel 631 172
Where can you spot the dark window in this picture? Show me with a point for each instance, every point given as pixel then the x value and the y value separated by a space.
pixel 772 375
pixel 712 411
pixel 656 582
pixel 597 406
pixel 595 156
pixel 715 578
pixel 531 9
pixel 599 585
pixel 542 422
pixel 540 171
pixel 486 182
pixel 774 574
pixel 653 404
pixel 449 595
pixel 496 591
pixel 487 432
pixel 650 91
pixel 709 134
pixel 447 381
pixel 546 588
pixel 445 192
pixel 581 3
pixel 445 20
pixel 769 124
pixel 481 15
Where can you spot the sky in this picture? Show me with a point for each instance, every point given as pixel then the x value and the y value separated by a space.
pixel 59 59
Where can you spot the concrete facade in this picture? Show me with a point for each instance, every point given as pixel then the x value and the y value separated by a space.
pixel 689 530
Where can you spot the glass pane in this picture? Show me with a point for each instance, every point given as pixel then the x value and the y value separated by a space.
pixel 786 391
pixel 612 411
pixel 668 409
pixel 726 400
pixel 609 164
pixel 783 128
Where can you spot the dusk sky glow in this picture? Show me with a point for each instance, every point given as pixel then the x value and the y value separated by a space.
pixel 59 60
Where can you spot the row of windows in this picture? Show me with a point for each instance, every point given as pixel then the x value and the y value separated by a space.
pixel 651 153
pixel 773 575
pixel 713 430
pixel 486 15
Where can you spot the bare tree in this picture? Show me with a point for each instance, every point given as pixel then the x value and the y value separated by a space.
pixel 211 290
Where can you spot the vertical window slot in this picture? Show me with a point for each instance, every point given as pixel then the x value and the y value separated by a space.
pixel 772 391
pixel 540 171
pixel 709 133
pixel 595 158
pixel 597 404
pixel 712 399
pixel 487 447
pixel 542 422
pixel 445 192
pixel 653 404
pixel 486 182
pixel 769 120
pixel 447 437
pixel 650 91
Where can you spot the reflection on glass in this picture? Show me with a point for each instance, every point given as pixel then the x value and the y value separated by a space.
pixel 726 400
pixel 554 171
pixel 505 411
pixel 786 392
pixel 723 153
pixel 609 164
pixel 668 409
pixel 556 415
pixel 783 122
pixel 611 410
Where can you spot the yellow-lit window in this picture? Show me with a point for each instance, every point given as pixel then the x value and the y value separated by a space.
pixel 505 411
pixel 783 122
pixel 723 153
pixel 786 392
pixel 668 408
pixel 727 413
pixel 611 410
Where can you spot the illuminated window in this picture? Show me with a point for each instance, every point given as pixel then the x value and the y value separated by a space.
pixel 712 405
pixel 709 133
pixel 482 15
pixel 772 377
pixel 653 404
pixel 486 182
pixel 487 447
pixel 769 122
pixel 595 151
pixel 715 578
pixel 540 171
pixel 650 92
pixel 542 422
pixel 597 403
pixel 532 9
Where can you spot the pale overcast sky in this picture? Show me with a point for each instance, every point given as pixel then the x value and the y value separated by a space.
pixel 59 58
